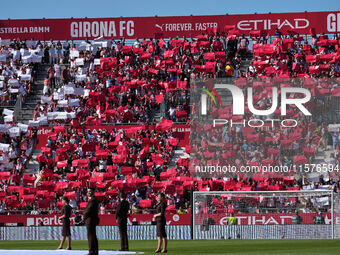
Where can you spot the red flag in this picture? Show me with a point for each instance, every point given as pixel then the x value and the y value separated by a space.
pixel 164 125
pixel 127 49
pixel 181 84
pixel 138 51
pixel 153 71
pixel 145 203
pixel 28 198
pixel 58 129
pixel 161 43
pixel 181 114
pixel 159 98
pixel 28 179
pixel 71 195
pixel 145 56
pixel 209 56
pixel 168 53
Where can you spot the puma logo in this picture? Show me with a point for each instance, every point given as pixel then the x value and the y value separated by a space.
pixel 160 27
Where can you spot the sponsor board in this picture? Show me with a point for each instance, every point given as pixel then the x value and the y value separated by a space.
pixel 171 26
pixel 105 220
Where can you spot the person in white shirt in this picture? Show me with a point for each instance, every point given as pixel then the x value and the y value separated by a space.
pixel 57 74
pixel 136 44
pixel 172 113
pixel 102 209
pixel 51 52
pixel 16 54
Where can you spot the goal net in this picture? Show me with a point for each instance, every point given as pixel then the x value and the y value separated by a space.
pixel 265 214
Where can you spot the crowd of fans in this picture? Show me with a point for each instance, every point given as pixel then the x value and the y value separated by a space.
pixel 16 149
pixel 296 57
pixel 19 62
pixel 18 65
pixel 111 82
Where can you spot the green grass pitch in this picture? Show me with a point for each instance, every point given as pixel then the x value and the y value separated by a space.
pixel 200 247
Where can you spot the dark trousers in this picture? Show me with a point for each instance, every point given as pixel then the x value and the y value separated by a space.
pixel 52 83
pixel 92 239
pixel 122 225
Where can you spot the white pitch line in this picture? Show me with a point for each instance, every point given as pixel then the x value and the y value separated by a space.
pixel 63 252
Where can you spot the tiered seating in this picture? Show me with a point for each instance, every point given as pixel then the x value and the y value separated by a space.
pixel 15 149
pixel 126 84
pixel 17 66
pixel 294 57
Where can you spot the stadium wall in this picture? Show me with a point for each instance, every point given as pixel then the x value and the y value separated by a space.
pixel 171 26
pixel 148 232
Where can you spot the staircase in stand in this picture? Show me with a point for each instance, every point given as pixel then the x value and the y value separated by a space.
pixel 31 101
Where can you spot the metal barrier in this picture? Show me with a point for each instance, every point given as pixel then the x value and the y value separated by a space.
pixel 146 232
pixel 265 232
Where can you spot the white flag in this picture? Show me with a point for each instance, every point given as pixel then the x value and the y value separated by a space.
pixel 7 112
pixel 80 61
pixel 23 127
pixel 14 131
pixel 4 147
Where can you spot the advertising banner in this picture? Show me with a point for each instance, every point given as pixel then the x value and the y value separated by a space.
pixel 172 26
pixel 181 131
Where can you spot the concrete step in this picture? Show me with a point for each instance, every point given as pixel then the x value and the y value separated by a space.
pixel 31 101
pixel 33 98
pixel 33 164
pixel 26 111
pixel 28 107
pixel 37 93
pixel 38 86
pixel 31 104
pixel 9 107
pixel 40 78
pixel 26 118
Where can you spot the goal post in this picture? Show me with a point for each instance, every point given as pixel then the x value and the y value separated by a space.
pixel 291 214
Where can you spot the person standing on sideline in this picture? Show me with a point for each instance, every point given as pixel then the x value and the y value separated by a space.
pixel 161 222
pixel 121 217
pixel 296 219
pixel 91 219
pixel 232 219
pixel 66 231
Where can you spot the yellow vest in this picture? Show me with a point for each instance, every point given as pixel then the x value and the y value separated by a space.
pixel 229 70
pixel 232 221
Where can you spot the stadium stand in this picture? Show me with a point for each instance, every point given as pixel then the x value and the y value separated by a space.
pixel 146 83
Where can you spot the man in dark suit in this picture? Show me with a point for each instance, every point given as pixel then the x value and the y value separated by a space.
pixel 121 217
pixel 91 219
